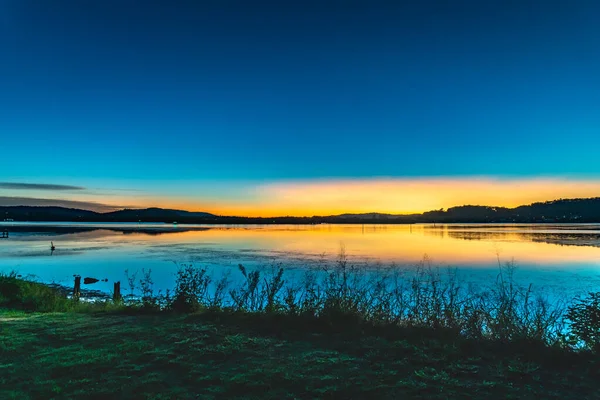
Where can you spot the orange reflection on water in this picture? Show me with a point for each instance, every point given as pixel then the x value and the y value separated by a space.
pixel 447 246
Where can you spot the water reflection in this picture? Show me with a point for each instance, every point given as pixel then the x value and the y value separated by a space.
pixel 559 238
pixel 551 254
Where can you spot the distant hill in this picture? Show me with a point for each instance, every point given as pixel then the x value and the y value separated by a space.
pixel 562 210
pixel 154 214
pixel 31 213
pixel 374 216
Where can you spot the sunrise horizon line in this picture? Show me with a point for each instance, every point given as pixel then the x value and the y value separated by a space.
pixel 205 211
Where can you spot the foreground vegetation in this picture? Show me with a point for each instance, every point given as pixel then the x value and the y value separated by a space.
pixel 339 333
pixel 226 355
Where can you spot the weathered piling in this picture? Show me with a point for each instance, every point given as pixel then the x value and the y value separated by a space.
pixel 117 291
pixel 77 288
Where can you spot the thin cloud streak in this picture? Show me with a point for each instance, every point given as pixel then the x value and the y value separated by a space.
pixel 7 201
pixel 37 186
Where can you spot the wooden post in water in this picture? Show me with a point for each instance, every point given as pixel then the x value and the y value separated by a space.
pixel 77 288
pixel 117 292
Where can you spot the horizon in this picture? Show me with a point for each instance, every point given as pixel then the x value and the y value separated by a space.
pixel 43 204
pixel 309 198
pixel 278 108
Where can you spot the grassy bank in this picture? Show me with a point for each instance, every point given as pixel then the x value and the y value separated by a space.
pixel 343 334
pixel 222 355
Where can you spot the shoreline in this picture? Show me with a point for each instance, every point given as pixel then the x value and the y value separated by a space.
pixel 339 342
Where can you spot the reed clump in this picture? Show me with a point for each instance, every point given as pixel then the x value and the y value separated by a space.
pixel 344 296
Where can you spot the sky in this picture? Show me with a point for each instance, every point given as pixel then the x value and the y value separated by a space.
pixel 298 107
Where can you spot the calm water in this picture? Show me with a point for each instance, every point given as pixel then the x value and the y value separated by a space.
pixel 560 258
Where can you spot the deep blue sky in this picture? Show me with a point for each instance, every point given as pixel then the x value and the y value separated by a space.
pixel 251 90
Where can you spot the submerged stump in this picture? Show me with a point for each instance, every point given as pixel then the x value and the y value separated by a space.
pixel 117 292
pixel 77 288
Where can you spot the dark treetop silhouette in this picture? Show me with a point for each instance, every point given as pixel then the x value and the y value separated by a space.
pixel 563 210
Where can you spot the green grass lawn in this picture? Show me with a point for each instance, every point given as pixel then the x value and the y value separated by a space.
pixel 166 356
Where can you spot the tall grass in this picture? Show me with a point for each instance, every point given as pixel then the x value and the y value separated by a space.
pixel 28 295
pixel 343 295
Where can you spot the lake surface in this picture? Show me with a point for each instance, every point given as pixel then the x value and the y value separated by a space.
pixel 561 258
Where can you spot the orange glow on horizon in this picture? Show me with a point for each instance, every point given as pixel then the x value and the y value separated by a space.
pixel 393 196
pixel 331 197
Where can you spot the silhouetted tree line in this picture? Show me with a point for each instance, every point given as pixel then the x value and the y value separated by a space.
pixel 562 210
